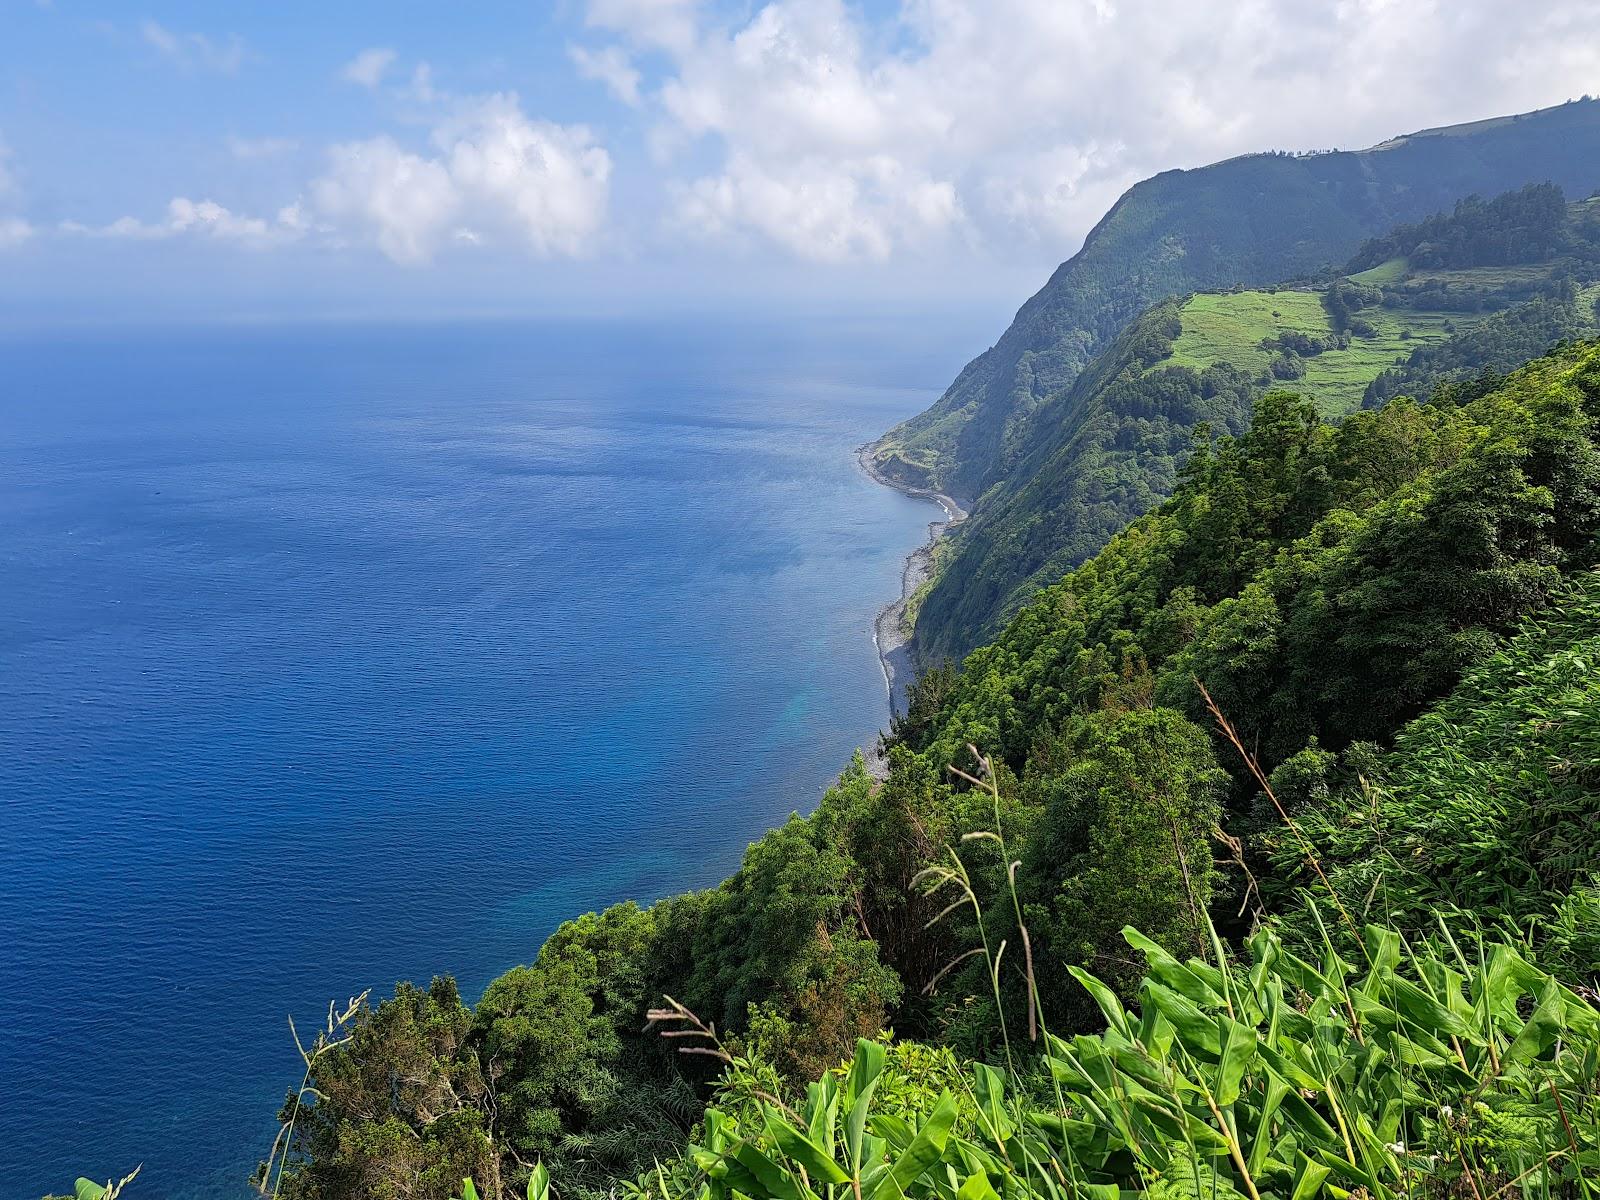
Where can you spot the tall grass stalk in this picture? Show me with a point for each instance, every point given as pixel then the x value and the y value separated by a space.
pixel 335 1032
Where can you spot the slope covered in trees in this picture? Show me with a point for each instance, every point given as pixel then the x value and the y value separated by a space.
pixel 1487 804
pixel 1526 226
pixel 1249 221
pixel 1109 447
pixel 1329 585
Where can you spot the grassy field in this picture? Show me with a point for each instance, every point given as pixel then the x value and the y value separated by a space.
pixel 1391 271
pixel 1339 378
pixel 1479 277
pixel 1229 327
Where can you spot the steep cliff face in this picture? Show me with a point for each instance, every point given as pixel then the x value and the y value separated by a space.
pixel 1250 221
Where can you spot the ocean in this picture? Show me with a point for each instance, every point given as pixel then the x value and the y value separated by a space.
pixel 333 656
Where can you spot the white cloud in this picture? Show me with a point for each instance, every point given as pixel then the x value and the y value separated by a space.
pixel 195 50
pixel 1019 121
pixel 664 24
pixel 369 67
pixel 828 155
pixel 497 175
pixel 196 218
pixel 828 211
pixel 1045 195
pixel 611 66
pixel 489 174
pixel 548 181
pixel 266 147
pixel 404 201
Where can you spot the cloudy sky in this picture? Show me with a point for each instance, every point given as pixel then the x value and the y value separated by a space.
pixel 368 155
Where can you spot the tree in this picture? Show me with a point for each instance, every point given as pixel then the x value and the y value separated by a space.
pixel 1129 800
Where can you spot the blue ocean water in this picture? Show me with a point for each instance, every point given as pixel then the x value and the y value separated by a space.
pixel 335 656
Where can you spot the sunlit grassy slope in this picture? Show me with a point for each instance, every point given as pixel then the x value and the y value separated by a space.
pixel 1385 272
pixel 1230 327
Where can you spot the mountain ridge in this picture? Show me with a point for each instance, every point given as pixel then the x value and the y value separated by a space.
pixel 1271 216
pixel 1057 451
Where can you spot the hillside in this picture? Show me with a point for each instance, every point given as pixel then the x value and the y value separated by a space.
pixel 1248 221
pixel 1288 336
pixel 1111 445
pixel 1330 585
pixel 1281 697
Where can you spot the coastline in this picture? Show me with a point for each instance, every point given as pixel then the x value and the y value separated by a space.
pixel 888 634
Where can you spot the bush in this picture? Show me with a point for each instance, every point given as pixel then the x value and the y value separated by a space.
pixel 1424 1071
pixel 1489 803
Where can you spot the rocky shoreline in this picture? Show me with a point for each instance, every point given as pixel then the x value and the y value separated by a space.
pixel 894 647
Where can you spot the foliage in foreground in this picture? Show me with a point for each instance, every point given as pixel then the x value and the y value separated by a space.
pixel 1436 1070
pixel 87 1189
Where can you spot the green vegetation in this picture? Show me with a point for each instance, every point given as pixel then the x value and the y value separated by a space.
pixel 1526 226
pixel 1251 221
pixel 1419 1072
pixel 1121 434
pixel 1232 327
pixel 1389 271
pixel 1111 445
pixel 1246 330
pixel 1322 579
pixel 1485 804
pixel 1470 362
pixel 1356 598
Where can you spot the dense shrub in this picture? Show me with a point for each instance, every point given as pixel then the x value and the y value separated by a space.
pixel 1488 804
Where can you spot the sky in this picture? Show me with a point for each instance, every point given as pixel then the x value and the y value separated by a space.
pixel 357 157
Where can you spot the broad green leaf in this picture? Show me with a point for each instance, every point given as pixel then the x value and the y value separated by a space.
pixel 1116 1016
pixel 1383 952
pixel 1424 1012
pixel 539 1183
pixel 1079 1135
pixel 1195 1029
pixel 924 1151
pixel 741 1179
pixel 1542 1027
pixel 1174 974
pixel 772 1179
pixel 1308 1178
pixel 990 1088
pixel 976 1187
pixel 856 1125
pixel 1238 1049
pixel 1262 1120
pixel 865 1069
pixel 1307 1119
pixel 818 1163
pixel 894 1130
